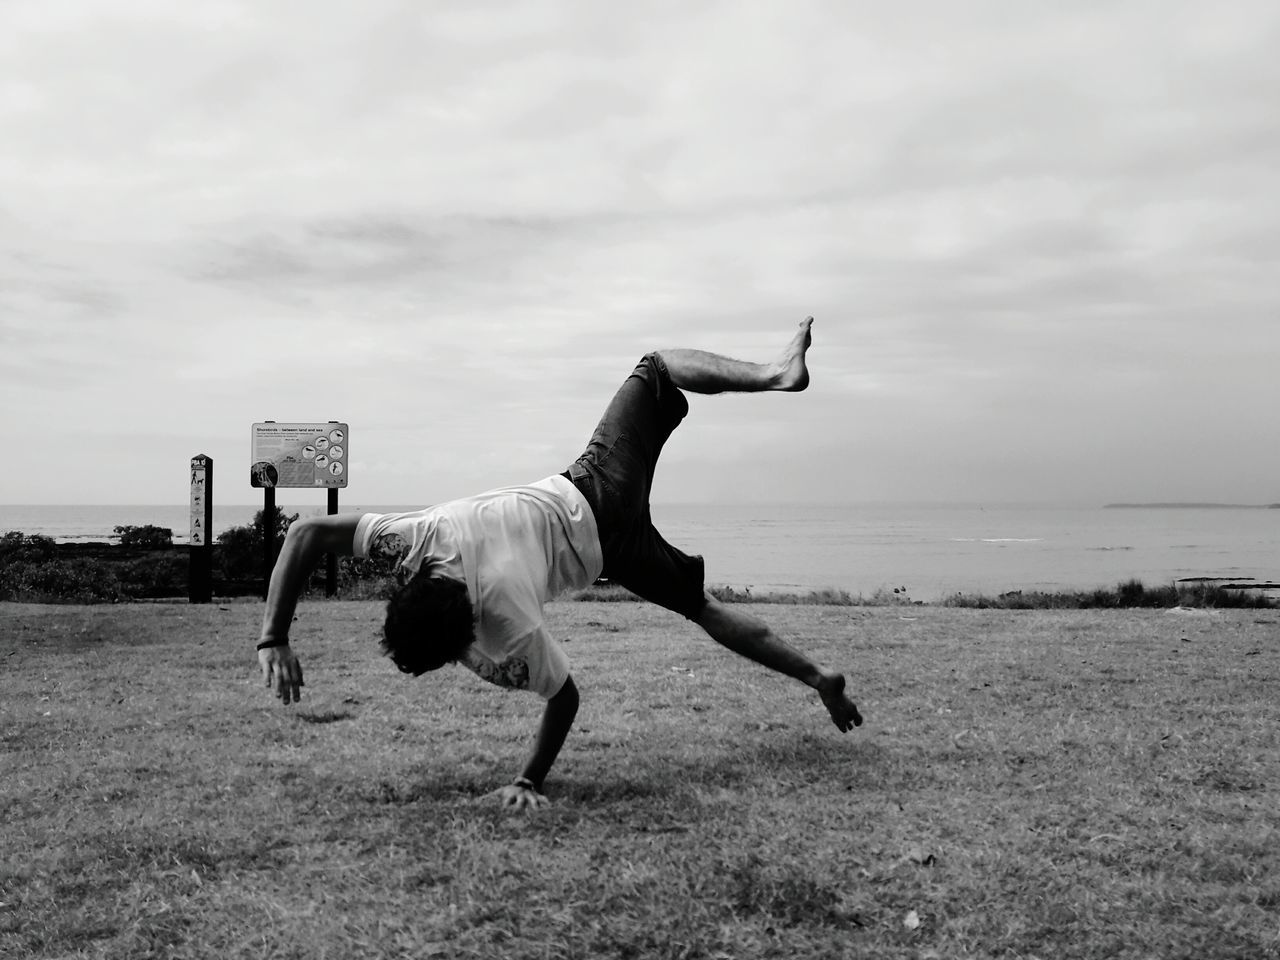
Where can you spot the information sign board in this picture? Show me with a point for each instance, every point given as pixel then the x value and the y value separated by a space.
pixel 201 499
pixel 313 455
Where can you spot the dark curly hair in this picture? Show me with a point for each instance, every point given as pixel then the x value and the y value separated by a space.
pixel 429 624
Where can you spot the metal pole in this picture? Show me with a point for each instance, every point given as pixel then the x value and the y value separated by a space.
pixel 268 536
pixel 331 574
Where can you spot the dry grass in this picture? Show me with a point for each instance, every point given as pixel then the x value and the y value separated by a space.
pixel 1029 784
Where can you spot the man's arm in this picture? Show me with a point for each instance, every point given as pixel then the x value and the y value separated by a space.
pixel 305 543
pixel 557 719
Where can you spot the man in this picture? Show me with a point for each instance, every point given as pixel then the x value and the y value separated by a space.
pixel 476 572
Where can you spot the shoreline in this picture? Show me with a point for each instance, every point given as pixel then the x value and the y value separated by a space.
pixel 748 593
pixel 806 551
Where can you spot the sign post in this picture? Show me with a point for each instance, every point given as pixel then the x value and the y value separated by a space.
pixel 302 455
pixel 331 572
pixel 268 537
pixel 200 551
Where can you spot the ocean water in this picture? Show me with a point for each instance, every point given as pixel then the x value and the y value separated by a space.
pixel 930 550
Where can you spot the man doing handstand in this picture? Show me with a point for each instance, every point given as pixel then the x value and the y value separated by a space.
pixel 476 572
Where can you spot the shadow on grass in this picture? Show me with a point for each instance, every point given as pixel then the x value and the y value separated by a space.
pixel 656 780
pixel 452 786
pixel 812 759
pixel 621 790
pixel 626 779
pixel 327 716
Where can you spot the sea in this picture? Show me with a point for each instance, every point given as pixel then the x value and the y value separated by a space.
pixel 924 551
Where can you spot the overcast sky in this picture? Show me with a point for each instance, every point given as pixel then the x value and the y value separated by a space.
pixel 1041 241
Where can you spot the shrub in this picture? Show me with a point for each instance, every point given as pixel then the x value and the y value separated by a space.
pixel 602 591
pixel 156 575
pixel 1132 593
pixel 359 578
pixel 60 581
pixel 1214 595
pixel 146 537
pixel 240 548
pixel 822 596
pixel 897 597
pixel 238 559
pixel 729 594
pixel 31 572
pixel 16 546
pixel 1126 595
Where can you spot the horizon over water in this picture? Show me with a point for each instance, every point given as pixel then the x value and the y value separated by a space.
pixel 931 549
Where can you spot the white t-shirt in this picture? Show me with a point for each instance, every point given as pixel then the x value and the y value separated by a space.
pixel 515 549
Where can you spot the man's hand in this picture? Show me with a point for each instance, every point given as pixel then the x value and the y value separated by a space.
pixel 282 672
pixel 519 796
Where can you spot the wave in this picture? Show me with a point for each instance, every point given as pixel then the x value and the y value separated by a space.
pixel 997 539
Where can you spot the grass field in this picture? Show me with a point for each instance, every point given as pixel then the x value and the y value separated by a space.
pixel 1028 784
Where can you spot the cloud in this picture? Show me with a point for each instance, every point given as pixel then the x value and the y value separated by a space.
pixel 1039 241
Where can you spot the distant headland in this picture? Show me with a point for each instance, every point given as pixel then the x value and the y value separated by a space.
pixel 1192 506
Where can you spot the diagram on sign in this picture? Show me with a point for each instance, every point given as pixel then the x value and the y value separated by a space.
pixel 201 468
pixel 299 455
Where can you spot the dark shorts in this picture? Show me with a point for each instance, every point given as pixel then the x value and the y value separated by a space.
pixel 615 474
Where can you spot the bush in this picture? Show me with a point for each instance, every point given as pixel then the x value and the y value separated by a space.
pixel 240 548
pixel 156 575
pixel 238 560
pixel 359 578
pixel 602 591
pixel 147 537
pixel 31 572
pixel 823 596
pixel 19 547
pixel 1126 595
pixel 60 581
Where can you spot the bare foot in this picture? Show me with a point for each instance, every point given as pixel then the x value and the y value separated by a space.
pixel 843 712
pixel 790 371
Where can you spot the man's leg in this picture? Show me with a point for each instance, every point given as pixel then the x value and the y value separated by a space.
pixel 752 638
pixel 658 572
pixel 702 372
